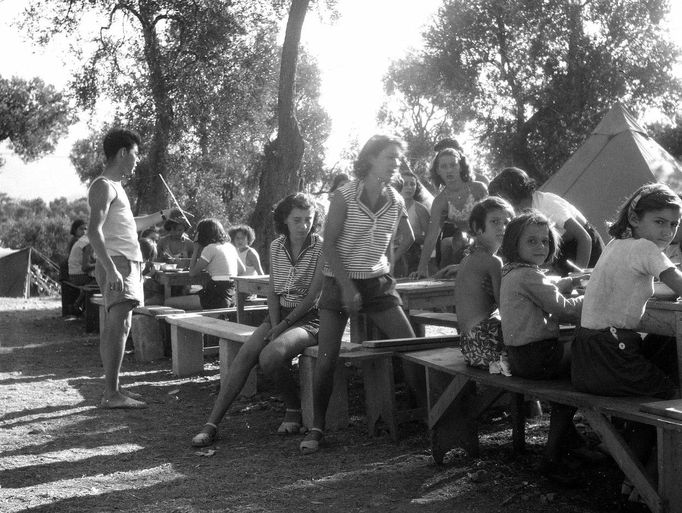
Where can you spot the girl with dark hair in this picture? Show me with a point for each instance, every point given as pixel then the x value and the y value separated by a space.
pixel 413 192
pixel 363 218
pixel 212 252
pixel 531 306
pixel 448 226
pixel 292 323
pixel 243 238
pixel 608 356
pixel 580 242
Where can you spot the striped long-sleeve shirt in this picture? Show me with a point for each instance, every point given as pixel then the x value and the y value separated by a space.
pixel 366 235
pixel 292 280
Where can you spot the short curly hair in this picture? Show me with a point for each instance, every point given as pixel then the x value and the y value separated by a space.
pixel 286 205
pixel 210 231
pixel 512 184
pixel 246 230
pixel 371 149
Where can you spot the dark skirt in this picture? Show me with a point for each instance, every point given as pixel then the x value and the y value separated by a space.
pixel 538 360
pixel 611 364
pixel 568 250
pixel 217 294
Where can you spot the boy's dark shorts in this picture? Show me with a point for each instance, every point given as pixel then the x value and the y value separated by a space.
pixel 378 294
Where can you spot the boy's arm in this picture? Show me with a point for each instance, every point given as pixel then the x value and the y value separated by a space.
pixel 99 198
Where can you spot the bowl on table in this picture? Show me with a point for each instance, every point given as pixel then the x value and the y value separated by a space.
pixel 182 263
pixel 169 267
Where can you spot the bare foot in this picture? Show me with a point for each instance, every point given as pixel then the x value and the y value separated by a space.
pixel 121 401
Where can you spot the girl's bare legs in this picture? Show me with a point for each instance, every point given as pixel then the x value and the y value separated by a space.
pixel 394 323
pixel 246 359
pixel 332 324
pixel 275 361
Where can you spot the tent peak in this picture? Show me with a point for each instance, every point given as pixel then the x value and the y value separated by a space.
pixel 618 120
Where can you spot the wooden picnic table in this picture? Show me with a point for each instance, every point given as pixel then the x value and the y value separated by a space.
pixel 178 277
pixel 664 318
pixel 246 286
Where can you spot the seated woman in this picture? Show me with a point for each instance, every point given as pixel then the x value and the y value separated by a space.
pixel 413 193
pixel 214 253
pixel 292 323
pixel 243 238
pixel 81 264
pixel 580 243
pixel 176 244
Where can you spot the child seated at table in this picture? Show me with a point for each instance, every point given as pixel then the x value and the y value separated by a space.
pixel 531 306
pixel 609 356
pixel 243 238
pixel 153 290
pixel 214 253
pixel 477 314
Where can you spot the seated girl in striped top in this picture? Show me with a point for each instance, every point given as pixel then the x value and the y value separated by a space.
pixel 292 323
pixel 363 218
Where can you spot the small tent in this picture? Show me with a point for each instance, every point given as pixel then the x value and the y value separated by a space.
pixel 15 272
pixel 616 159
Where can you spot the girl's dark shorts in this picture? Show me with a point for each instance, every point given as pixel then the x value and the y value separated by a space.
pixel 217 294
pixel 309 322
pixel 378 294
pixel 605 363
pixel 538 360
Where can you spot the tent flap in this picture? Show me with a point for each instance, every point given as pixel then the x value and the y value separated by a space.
pixel 15 273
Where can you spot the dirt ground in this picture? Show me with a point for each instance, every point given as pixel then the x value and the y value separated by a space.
pixel 59 452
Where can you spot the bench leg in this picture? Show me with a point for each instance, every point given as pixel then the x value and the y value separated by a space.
pixel 188 351
pixel 147 338
pixel 518 411
pixel 451 403
pixel 670 469
pixel 227 352
pixel 337 412
pixel 91 314
pixel 378 381
pixel 628 462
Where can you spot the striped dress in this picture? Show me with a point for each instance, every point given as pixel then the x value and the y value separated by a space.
pixel 292 280
pixel 366 235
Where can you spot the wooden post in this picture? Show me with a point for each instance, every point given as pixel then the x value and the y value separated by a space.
pixel 188 351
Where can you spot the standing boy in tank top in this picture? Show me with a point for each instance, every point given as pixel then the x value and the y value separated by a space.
pixel 113 236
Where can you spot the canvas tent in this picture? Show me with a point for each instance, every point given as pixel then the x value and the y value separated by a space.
pixel 15 272
pixel 614 161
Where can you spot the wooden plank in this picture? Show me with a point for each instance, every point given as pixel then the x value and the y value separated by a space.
pixel 625 458
pixel 418 342
pixel 446 397
pixel 670 470
pixel 216 327
pixel 672 409
pixel 450 360
pixel 379 384
pixel 188 351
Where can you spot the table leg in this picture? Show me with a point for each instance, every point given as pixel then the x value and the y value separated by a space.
pixel 241 301
pixel 678 337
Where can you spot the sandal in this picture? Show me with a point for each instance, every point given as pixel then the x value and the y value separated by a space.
pixel 291 425
pixel 207 436
pixel 311 442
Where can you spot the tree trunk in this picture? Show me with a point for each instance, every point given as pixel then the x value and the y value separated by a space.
pixel 283 156
pixel 152 193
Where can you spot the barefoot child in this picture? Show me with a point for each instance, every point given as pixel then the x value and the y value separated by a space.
pixel 531 306
pixel 608 355
pixel 477 314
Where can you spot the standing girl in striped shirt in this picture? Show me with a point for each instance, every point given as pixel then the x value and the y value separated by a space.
pixel 292 323
pixel 363 218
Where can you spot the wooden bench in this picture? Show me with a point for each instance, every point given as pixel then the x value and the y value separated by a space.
pixel 455 403
pixel 187 345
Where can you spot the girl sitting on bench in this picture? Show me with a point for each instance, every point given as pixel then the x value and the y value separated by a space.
pixel 609 356
pixel 292 323
pixel 531 306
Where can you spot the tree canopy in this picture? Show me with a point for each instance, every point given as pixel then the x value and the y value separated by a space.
pixel 33 116
pixel 535 76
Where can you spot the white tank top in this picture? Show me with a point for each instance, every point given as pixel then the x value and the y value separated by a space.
pixel 119 229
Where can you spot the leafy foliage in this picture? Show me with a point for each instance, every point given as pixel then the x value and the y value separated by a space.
pixel 33 116
pixel 535 76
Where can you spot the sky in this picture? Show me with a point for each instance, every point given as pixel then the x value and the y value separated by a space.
pixel 353 55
